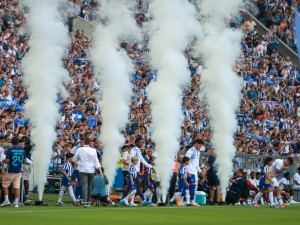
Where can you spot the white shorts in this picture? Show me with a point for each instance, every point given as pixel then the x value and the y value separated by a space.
pixel 275 182
pixel 26 171
pixel 296 187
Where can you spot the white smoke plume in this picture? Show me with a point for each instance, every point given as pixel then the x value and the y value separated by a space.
pixel 174 23
pixel 114 69
pixel 43 69
pixel 220 49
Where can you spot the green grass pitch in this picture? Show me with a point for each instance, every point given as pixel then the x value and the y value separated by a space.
pixel 206 215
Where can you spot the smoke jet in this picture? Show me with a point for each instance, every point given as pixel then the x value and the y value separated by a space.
pixel 220 49
pixel 113 68
pixel 174 23
pixel 44 72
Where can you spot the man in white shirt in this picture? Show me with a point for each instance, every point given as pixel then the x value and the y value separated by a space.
pixel 296 179
pixel 194 169
pixel 252 179
pixel 136 152
pixel 279 166
pixel 257 178
pixel 260 50
pixel 86 157
pixel 125 157
pixel 287 190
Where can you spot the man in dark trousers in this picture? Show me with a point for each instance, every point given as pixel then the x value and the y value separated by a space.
pixel 238 184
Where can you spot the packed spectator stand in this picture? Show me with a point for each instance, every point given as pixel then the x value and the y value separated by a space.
pixel 268 119
pixel 279 17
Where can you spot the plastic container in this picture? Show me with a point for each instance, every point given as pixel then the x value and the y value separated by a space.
pixel 200 198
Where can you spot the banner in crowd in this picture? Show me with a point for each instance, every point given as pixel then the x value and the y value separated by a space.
pixel 269 103
pixel 258 137
pixel 83 59
pixel 7 103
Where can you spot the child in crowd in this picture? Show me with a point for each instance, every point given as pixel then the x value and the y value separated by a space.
pixel 66 180
pixel 183 185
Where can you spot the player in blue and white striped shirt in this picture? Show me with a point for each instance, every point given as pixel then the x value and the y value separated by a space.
pixel 131 183
pixel 66 180
pixel 183 185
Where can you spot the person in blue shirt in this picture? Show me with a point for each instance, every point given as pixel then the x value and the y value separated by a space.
pixel 75 176
pixel 15 157
pixel 131 182
pixel 99 192
pixel 265 183
pixel 183 185
pixel 66 180
pixel 19 120
pixel 238 183
pixel 150 180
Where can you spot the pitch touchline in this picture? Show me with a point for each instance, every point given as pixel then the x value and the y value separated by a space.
pixel 93 209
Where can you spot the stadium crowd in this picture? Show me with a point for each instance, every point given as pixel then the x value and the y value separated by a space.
pixel 268 119
pixel 279 17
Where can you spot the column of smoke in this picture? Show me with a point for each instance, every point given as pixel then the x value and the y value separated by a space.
pixel 43 69
pixel 174 22
pixel 220 49
pixel 114 68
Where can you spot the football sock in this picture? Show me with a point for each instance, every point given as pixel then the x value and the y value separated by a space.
pixel 132 195
pixel 61 193
pixel 158 195
pixel 279 199
pixel 150 196
pixel 187 196
pixel 71 193
pixel 146 194
pixel 271 198
pixel 257 197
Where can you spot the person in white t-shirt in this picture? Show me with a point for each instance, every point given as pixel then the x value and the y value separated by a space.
pixel 257 178
pixel 87 158
pixel 252 179
pixel 194 169
pixel 261 49
pixel 296 179
pixel 125 157
pixel 136 152
pixel 279 166
pixel 287 190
